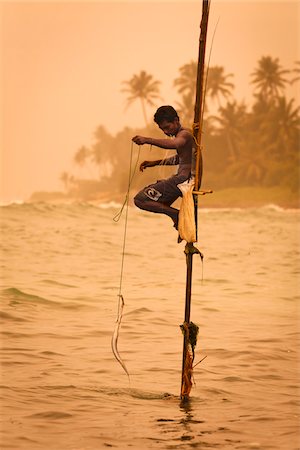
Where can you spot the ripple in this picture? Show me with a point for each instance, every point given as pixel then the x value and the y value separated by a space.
pixel 20 296
pixel 50 415
pixel 11 317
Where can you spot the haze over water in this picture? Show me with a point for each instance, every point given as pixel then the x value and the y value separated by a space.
pixel 63 68
pixel 61 386
pixel 64 64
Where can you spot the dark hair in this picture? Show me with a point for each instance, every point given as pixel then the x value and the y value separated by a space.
pixel 165 113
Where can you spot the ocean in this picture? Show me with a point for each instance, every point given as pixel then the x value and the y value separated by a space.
pixel 62 388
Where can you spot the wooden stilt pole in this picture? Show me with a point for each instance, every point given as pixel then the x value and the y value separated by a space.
pixel 190 249
pixel 185 375
pixel 187 360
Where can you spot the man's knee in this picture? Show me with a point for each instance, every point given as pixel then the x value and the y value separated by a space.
pixel 139 200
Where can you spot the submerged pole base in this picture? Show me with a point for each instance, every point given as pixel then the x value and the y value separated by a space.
pixel 187 366
pixel 190 332
pixel 188 353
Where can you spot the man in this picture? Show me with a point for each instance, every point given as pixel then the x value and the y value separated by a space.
pixel 158 197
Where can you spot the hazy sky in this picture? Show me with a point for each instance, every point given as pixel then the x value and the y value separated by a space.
pixel 62 67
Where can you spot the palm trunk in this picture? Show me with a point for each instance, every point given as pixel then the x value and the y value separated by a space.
pixel 144 111
pixel 231 148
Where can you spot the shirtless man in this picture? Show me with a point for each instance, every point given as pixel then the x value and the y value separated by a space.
pixel 158 197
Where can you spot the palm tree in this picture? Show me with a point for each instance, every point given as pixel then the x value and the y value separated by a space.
pixel 67 180
pixel 186 83
pixel 260 114
pixel 261 106
pixel 218 85
pixel 231 121
pixel 81 155
pixel 297 71
pixel 282 129
pixel 102 152
pixel 186 109
pixel 268 78
pixel 251 166
pixel 142 86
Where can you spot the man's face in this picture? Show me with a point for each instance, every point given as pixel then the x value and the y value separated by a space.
pixel 169 128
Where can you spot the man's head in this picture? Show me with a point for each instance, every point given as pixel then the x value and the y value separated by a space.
pixel 167 119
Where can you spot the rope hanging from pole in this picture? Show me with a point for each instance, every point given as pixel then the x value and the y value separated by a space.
pixel 121 302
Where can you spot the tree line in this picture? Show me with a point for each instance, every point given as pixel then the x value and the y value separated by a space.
pixel 243 145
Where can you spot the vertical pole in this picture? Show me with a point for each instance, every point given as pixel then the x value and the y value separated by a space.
pixel 199 101
pixel 190 250
pixel 188 290
pixel 184 392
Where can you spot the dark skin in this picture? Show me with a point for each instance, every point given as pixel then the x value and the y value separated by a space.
pixel 182 141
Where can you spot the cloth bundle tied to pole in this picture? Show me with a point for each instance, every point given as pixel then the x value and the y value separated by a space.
pixel 187 223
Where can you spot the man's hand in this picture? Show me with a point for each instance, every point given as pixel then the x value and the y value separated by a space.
pixel 146 164
pixel 140 140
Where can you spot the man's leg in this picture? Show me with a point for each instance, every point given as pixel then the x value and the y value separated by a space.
pixel 145 203
pixel 159 197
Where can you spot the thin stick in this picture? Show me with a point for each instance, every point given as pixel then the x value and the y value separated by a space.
pixel 190 250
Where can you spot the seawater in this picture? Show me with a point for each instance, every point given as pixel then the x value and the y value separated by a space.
pixel 61 386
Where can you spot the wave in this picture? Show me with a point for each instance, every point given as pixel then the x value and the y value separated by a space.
pixel 134 393
pixel 69 208
pixel 220 209
pixel 109 205
pixel 272 207
pixel 12 203
pixel 266 207
pixel 138 311
pixel 57 283
pixel 73 205
pixel 277 208
pixel 54 415
pixel 18 295
pixel 10 317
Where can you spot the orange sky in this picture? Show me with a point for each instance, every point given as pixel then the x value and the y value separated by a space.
pixel 62 65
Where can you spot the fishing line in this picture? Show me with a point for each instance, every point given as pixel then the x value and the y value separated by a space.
pixel 117 217
pixel 200 123
pixel 119 214
pixel 121 303
pixel 207 70
pixel 202 117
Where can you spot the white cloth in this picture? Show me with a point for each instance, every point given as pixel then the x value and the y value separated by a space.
pixel 187 223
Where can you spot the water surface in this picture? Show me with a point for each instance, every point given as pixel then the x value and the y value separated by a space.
pixel 61 386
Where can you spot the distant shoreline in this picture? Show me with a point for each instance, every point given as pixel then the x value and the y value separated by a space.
pixel 240 197
pixel 250 197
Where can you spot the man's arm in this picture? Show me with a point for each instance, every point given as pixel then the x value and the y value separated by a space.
pixel 169 144
pixel 172 161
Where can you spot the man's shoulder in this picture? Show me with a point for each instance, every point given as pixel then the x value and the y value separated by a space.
pixel 186 132
pixel 187 135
